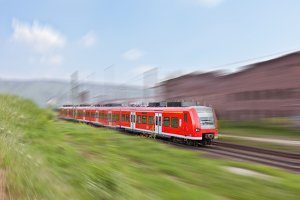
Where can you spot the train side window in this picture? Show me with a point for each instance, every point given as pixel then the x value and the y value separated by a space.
pixel 123 118
pixel 127 118
pixel 117 117
pixel 185 117
pixel 151 120
pixel 174 122
pixel 138 119
pixel 166 121
pixel 144 119
pixel 156 120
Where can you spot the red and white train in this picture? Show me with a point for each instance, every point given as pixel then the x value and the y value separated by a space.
pixel 194 125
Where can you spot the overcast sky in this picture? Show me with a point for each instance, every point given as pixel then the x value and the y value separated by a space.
pixel 53 38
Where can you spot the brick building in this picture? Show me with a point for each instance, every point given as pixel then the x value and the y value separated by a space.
pixel 266 89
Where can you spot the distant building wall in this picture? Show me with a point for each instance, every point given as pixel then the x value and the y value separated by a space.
pixel 266 89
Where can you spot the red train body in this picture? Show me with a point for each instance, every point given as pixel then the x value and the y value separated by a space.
pixel 194 124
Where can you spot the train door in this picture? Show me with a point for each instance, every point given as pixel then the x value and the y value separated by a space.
pixel 73 113
pixel 84 115
pixel 109 118
pixel 97 118
pixel 132 120
pixel 158 119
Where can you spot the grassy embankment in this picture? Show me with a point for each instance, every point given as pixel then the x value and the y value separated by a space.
pixel 277 128
pixel 48 159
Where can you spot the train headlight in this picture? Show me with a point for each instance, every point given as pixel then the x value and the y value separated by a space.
pixel 197 129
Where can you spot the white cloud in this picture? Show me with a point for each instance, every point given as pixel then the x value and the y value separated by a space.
pixel 40 38
pixel 89 39
pixel 133 54
pixel 208 3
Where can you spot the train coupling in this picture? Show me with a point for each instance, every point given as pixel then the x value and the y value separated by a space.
pixel 209 136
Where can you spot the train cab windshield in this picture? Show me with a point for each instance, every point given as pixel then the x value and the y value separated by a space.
pixel 206 117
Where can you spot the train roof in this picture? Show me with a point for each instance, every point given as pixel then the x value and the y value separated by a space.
pixel 139 108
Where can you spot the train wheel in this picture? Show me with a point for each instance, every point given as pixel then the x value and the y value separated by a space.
pixel 192 142
pixel 206 142
pixel 173 139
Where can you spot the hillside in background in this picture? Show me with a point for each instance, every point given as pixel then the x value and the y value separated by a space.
pixel 58 92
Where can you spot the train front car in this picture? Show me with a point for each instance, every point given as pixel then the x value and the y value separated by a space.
pixel 206 124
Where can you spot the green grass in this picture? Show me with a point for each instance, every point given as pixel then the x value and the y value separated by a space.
pixel 280 128
pixel 48 159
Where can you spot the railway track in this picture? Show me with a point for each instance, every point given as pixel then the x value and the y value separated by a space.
pixel 284 160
